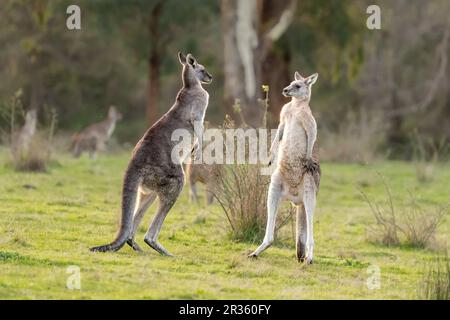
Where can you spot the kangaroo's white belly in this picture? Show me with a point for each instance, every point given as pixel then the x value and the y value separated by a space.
pixel 294 143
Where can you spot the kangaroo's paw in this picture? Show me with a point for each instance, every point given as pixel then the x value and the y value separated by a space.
pixel 158 247
pixel 309 165
pixel 133 244
pixel 253 255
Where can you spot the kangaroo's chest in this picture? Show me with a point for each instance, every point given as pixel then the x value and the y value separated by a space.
pixel 199 104
pixel 294 143
pixel 292 151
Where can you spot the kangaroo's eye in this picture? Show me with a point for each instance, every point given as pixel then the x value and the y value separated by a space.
pixel 297 86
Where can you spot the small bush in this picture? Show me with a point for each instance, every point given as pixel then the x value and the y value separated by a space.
pixel 242 191
pixel 36 157
pixel 414 226
pixel 386 229
pixel 435 284
pixel 30 148
pixel 419 225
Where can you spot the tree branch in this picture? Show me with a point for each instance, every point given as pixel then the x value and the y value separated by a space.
pixel 284 21
pixel 431 92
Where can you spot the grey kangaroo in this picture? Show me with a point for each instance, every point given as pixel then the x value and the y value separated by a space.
pixel 151 171
pixel 297 174
pixel 94 137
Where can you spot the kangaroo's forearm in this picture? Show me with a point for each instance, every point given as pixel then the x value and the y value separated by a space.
pixel 311 137
pixel 276 140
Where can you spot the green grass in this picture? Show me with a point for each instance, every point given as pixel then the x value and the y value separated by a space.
pixel 45 229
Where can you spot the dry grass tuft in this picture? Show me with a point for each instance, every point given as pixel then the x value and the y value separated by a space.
pixel 435 284
pixel 415 226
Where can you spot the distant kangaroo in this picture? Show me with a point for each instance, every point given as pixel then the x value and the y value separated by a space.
pixel 94 137
pixel 151 172
pixel 205 174
pixel 21 141
pixel 297 174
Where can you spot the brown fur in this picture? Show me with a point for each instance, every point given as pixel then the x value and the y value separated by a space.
pixel 94 137
pixel 151 171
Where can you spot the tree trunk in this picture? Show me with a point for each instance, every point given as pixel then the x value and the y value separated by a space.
pixel 277 78
pixel 242 68
pixel 154 62
pixel 152 111
pixel 250 28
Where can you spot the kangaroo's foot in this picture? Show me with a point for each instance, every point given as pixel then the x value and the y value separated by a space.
pixel 308 257
pixel 158 247
pixel 308 260
pixel 260 249
pixel 133 244
pixel 301 252
pixel 106 248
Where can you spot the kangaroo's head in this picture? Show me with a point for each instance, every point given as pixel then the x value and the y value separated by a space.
pixel 114 114
pixel 300 88
pixel 193 72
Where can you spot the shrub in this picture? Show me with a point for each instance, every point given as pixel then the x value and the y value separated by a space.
pixel 419 225
pixel 386 229
pixel 30 148
pixel 36 157
pixel 241 191
pixel 414 226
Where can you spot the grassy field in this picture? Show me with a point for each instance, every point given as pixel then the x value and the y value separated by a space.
pixel 49 220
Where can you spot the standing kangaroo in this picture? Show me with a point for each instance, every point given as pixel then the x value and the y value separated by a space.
pixel 151 172
pixel 94 137
pixel 21 142
pixel 205 174
pixel 297 174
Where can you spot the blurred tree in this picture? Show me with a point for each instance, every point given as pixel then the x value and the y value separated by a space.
pixel 261 36
pixel 250 28
pixel 405 75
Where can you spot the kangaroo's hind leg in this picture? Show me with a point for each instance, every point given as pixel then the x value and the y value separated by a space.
pixel 273 201
pixel 77 150
pixel 301 233
pixel 309 201
pixel 209 195
pixel 167 198
pixel 193 196
pixel 145 201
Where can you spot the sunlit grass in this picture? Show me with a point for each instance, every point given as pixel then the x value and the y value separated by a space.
pixel 50 223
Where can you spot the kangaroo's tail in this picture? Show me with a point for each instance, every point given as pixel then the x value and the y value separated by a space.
pixel 129 196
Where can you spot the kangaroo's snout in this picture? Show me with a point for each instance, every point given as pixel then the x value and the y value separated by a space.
pixel 285 92
pixel 207 77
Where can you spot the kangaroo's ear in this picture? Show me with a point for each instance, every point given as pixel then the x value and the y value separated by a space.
pixel 297 76
pixel 311 79
pixel 191 60
pixel 182 58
